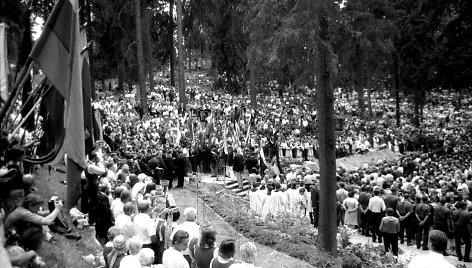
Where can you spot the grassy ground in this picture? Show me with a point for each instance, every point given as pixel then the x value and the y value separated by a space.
pixel 64 252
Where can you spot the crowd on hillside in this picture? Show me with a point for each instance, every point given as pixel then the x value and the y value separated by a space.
pixel 125 188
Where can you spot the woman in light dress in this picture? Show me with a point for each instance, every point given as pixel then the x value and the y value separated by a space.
pixel 350 204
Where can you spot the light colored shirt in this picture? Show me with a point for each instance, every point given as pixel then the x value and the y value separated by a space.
pixel 130 261
pixel 191 228
pixel 243 265
pixel 430 260
pixel 117 207
pixel 144 228
pixel 126 225
pixel 174 259
pixel 376 204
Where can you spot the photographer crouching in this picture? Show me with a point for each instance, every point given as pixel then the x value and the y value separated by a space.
pixel 27 224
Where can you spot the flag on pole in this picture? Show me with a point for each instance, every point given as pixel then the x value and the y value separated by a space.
pixel 225 140
pixel 236 135
pixel 248 131
pixel 261 153
pixel 3 62
pixel 58 54
pixel 89 116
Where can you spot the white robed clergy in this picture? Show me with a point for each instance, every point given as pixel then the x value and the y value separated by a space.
pixel 281 204
pixel 291 195
pixel 255 202
pixel 269 204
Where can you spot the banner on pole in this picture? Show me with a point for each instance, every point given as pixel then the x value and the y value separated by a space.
pixel 3 62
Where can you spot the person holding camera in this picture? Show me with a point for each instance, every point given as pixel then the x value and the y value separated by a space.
pixel 27 224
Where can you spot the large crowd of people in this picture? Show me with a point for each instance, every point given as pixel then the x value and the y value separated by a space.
pixel 126 185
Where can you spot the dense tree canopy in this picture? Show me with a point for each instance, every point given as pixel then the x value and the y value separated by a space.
pixel 426 42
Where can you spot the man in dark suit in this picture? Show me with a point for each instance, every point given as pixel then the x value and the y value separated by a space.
pixel 169 171
pixel 238 167
pixel 180 166
pixel 251 162
pixel 315 202
pixel 461 220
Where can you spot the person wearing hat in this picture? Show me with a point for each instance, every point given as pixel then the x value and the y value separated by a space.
pixel 118 252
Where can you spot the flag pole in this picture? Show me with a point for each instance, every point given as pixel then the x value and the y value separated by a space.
pixel 38 45
pixel 14 94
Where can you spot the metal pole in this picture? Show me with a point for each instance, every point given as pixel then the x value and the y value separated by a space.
pixel 14 94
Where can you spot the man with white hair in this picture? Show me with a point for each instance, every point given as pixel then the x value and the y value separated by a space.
pixel 247 253
pixel 189 226
pixel 132 260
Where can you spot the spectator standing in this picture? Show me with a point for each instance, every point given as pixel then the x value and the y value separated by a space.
pixel 434 259
pixel 423 214
pixel 144 226
pixel 404 214
pixel 173 257
pixel 342 194
pixel 132 260
pixel 204 250
pixel 226 252
pixel 390 227
pixel 238 167
pixel 364 198
pixel 461 220
pixel 124 221
pixel 247 253
pixel 190 227
pixel 376 208
pixel 350 205
pixel 442 219
pixel 117 253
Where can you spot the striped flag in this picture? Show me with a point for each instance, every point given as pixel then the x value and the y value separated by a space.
pixel 248 131
pixel 58 54
pixel 236 135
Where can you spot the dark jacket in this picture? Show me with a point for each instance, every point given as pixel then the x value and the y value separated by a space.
pixel 315 197
pixel 238 164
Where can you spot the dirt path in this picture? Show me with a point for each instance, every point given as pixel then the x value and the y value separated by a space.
pixel 266 257
pixel 408 251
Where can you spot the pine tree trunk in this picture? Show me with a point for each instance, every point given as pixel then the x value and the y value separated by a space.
pixel 181 56
pixel 253 89
pixel 417 107
pixel 104 85
pixel 397 89
pixel 189 55
pixel 139 44
pixel 148 48
pixel 327 156
pixel 120 81
pixel 171 43
pixel 90 48
pixel 369 96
